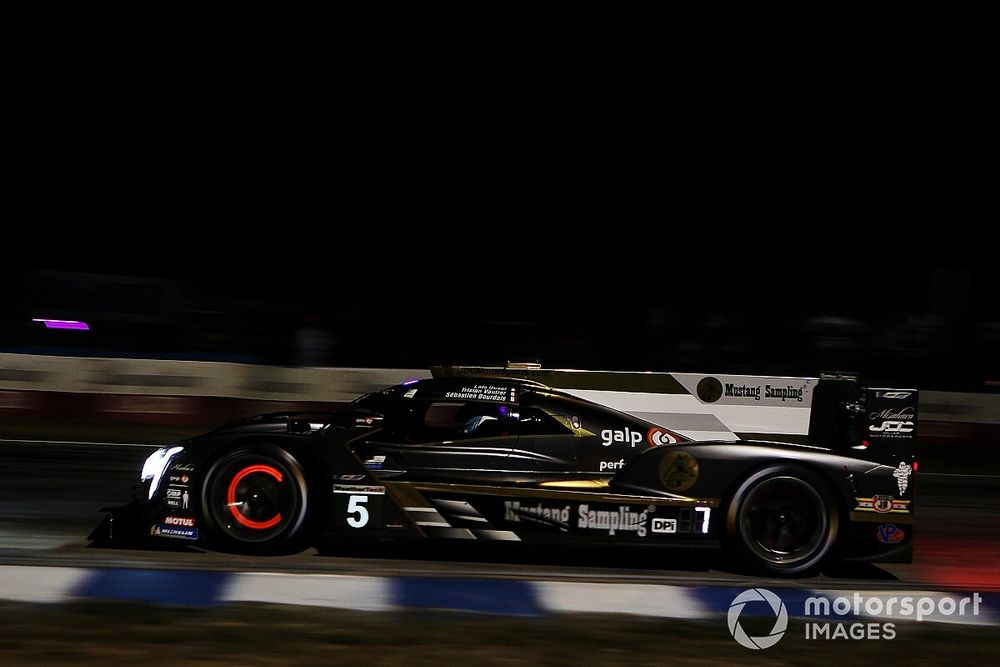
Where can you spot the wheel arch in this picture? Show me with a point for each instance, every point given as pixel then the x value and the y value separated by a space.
pixel 294 455
pixel 813 475
pixel 837 492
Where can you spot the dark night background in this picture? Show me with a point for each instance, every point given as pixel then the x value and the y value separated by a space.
pixel 928 327
pixel 469 215
pixel 595 200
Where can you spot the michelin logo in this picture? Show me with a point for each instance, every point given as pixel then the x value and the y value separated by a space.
pixel 161 530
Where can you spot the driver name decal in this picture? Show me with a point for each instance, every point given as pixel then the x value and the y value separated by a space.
pixel 484 392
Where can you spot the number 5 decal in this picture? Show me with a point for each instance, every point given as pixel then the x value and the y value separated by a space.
pixel 357 512
pixel 358 505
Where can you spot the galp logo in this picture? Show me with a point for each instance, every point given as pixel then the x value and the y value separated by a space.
pixel 627 436
pixel 780 622
pixel 661 436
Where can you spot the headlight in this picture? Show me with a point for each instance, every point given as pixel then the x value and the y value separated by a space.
pixel 154 466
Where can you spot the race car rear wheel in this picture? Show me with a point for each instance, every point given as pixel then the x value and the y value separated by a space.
pixel 783 520
pixel 256 499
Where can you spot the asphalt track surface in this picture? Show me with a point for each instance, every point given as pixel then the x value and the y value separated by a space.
pixel 50 493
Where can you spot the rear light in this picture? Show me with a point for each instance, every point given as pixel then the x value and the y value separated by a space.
pixel 916 464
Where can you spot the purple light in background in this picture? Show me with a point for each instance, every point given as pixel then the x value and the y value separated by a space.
pixel 413 381
pixel 63 324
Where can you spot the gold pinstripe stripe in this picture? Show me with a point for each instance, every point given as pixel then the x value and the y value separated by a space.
pixel 516 492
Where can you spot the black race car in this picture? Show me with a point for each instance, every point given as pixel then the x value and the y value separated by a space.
pixel 504 459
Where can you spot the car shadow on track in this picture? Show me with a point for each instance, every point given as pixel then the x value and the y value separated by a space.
pixel 514 559
pixel 858 571
pixel 590 557
pixel 139 544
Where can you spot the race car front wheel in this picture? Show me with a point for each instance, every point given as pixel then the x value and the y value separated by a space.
pixel 256 499
pixel 783 520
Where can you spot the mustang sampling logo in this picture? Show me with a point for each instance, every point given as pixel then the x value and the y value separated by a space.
pixel 786 393
pixel 623 519
pixel 780 621
pixel 539 513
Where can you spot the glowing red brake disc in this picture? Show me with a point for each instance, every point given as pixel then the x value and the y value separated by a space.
pixel 231 497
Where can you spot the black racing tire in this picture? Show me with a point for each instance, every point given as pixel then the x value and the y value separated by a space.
pixel 782 520
pixel 256 499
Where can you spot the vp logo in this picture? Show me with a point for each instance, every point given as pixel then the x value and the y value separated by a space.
pixel 780 623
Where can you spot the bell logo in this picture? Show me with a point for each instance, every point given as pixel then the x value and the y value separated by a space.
pixel 780 622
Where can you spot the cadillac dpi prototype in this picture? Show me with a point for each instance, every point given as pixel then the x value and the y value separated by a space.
pixel 491 457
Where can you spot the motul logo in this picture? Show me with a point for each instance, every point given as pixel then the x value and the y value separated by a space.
pixel 185 521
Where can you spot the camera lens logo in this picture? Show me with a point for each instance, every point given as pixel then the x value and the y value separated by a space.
pixel 780 622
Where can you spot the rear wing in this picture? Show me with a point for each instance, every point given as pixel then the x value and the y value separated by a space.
pixel 831 411
pixel 878 423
